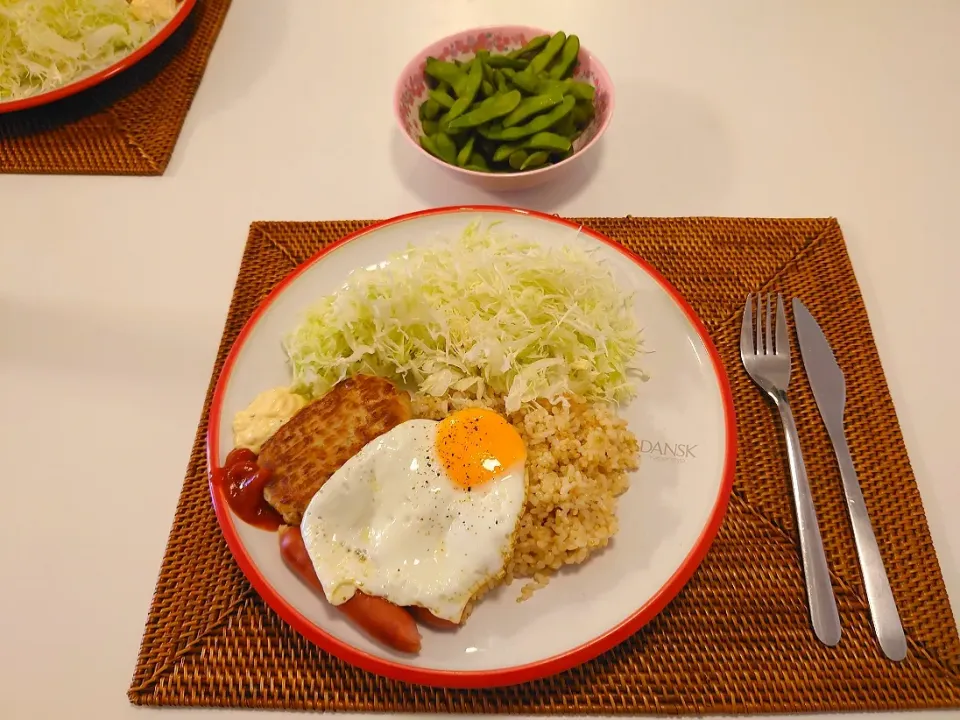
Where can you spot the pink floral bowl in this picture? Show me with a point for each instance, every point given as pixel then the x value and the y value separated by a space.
pixel 412 89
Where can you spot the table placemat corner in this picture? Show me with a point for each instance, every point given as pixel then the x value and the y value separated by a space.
pixel 735 640
pixel 127 125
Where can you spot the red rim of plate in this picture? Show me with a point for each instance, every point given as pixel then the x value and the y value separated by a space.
pixel 77 86
pixel 474 678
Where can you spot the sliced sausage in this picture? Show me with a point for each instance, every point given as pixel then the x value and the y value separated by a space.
pixel 380 618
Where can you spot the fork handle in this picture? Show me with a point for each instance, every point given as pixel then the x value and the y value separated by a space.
pixel 823 604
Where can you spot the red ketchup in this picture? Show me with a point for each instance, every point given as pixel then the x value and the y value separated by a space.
pixel 243 481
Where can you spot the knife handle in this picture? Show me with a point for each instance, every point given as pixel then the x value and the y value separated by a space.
pixel 883 608
pixel 823 605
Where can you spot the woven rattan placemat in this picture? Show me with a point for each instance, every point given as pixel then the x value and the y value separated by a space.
pixel 127 125
pixel 737 637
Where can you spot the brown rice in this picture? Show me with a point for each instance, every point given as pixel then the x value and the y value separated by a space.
pixel 578 459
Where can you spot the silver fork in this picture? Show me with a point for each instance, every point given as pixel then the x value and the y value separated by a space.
pixel 768 365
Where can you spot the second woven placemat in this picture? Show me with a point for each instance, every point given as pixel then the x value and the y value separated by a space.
pixel 735 640
pixel 128 125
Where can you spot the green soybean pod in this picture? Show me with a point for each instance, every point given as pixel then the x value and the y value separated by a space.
pixel 538 123
pixel 463 157
pixel 581 90
pixel 571 48
pixel 505 61
pixel 526 81
pixel 550 50
pixel 532 45
pixel 503 152
pixel 446 148
pixel 468 91
pixel 500 80
pixel 583 113
pixel 478 160
pixel 430 127
pixel 490 109
pixel 487 89
pixel 429 109
pixel 483 56
pixel 444 72
pixel 444 124
pixel 491 131
pixel 535 160
pixel 546 140
pixel 566 127
pixel 531 106
pixel 444 87
pixel 441 98
pixel 428 144
pixel 517 159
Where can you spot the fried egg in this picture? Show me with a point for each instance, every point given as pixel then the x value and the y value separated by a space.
pixel 423 515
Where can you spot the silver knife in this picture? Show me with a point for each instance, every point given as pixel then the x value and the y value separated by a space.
pixel 829 390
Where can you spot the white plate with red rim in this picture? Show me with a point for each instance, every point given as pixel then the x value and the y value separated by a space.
pixel 124 61
pixel 683 418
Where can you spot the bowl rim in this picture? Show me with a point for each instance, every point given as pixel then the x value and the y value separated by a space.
pixel 411 67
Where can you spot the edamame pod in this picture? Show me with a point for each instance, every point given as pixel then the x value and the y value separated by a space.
pixel 468 91
pixel 579 89
pixel 537 124
pixel 441 98
pixel 477 160
pixel 429 109
pixel 566 127
pixel 446 148
pixel 583 113
pixel 526 81
pixel 487 89
pixel 503 152
pixel 483 56
pixel 550 50
pixel 548 141
pixel 532 46
pixel 517 159
pixel 500 81
pixel 444 72
pixel 427 143
pixel 531 106
pixel 490 109
pixel 535 160
pixel 463 157
pixel 505 61
pixel 430 127
pixel 571 48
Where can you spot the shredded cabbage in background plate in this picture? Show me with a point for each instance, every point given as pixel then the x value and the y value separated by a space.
pixel 488 311
pixel 45 44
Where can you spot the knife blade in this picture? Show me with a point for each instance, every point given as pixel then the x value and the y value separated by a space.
pixel 829 391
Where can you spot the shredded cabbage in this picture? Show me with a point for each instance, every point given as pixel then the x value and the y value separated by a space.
pixel 487 311
pixel 47 43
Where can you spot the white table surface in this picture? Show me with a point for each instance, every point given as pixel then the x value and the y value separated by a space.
pixel 113 290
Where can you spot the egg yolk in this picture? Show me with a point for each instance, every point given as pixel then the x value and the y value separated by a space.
pixel 476 445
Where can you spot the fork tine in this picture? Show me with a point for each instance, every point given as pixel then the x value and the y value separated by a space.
pixel 769 333
pixel 746 329
pixel 760 349
pixel 783 337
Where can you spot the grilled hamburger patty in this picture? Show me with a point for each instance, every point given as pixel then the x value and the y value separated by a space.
pixel 326 433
